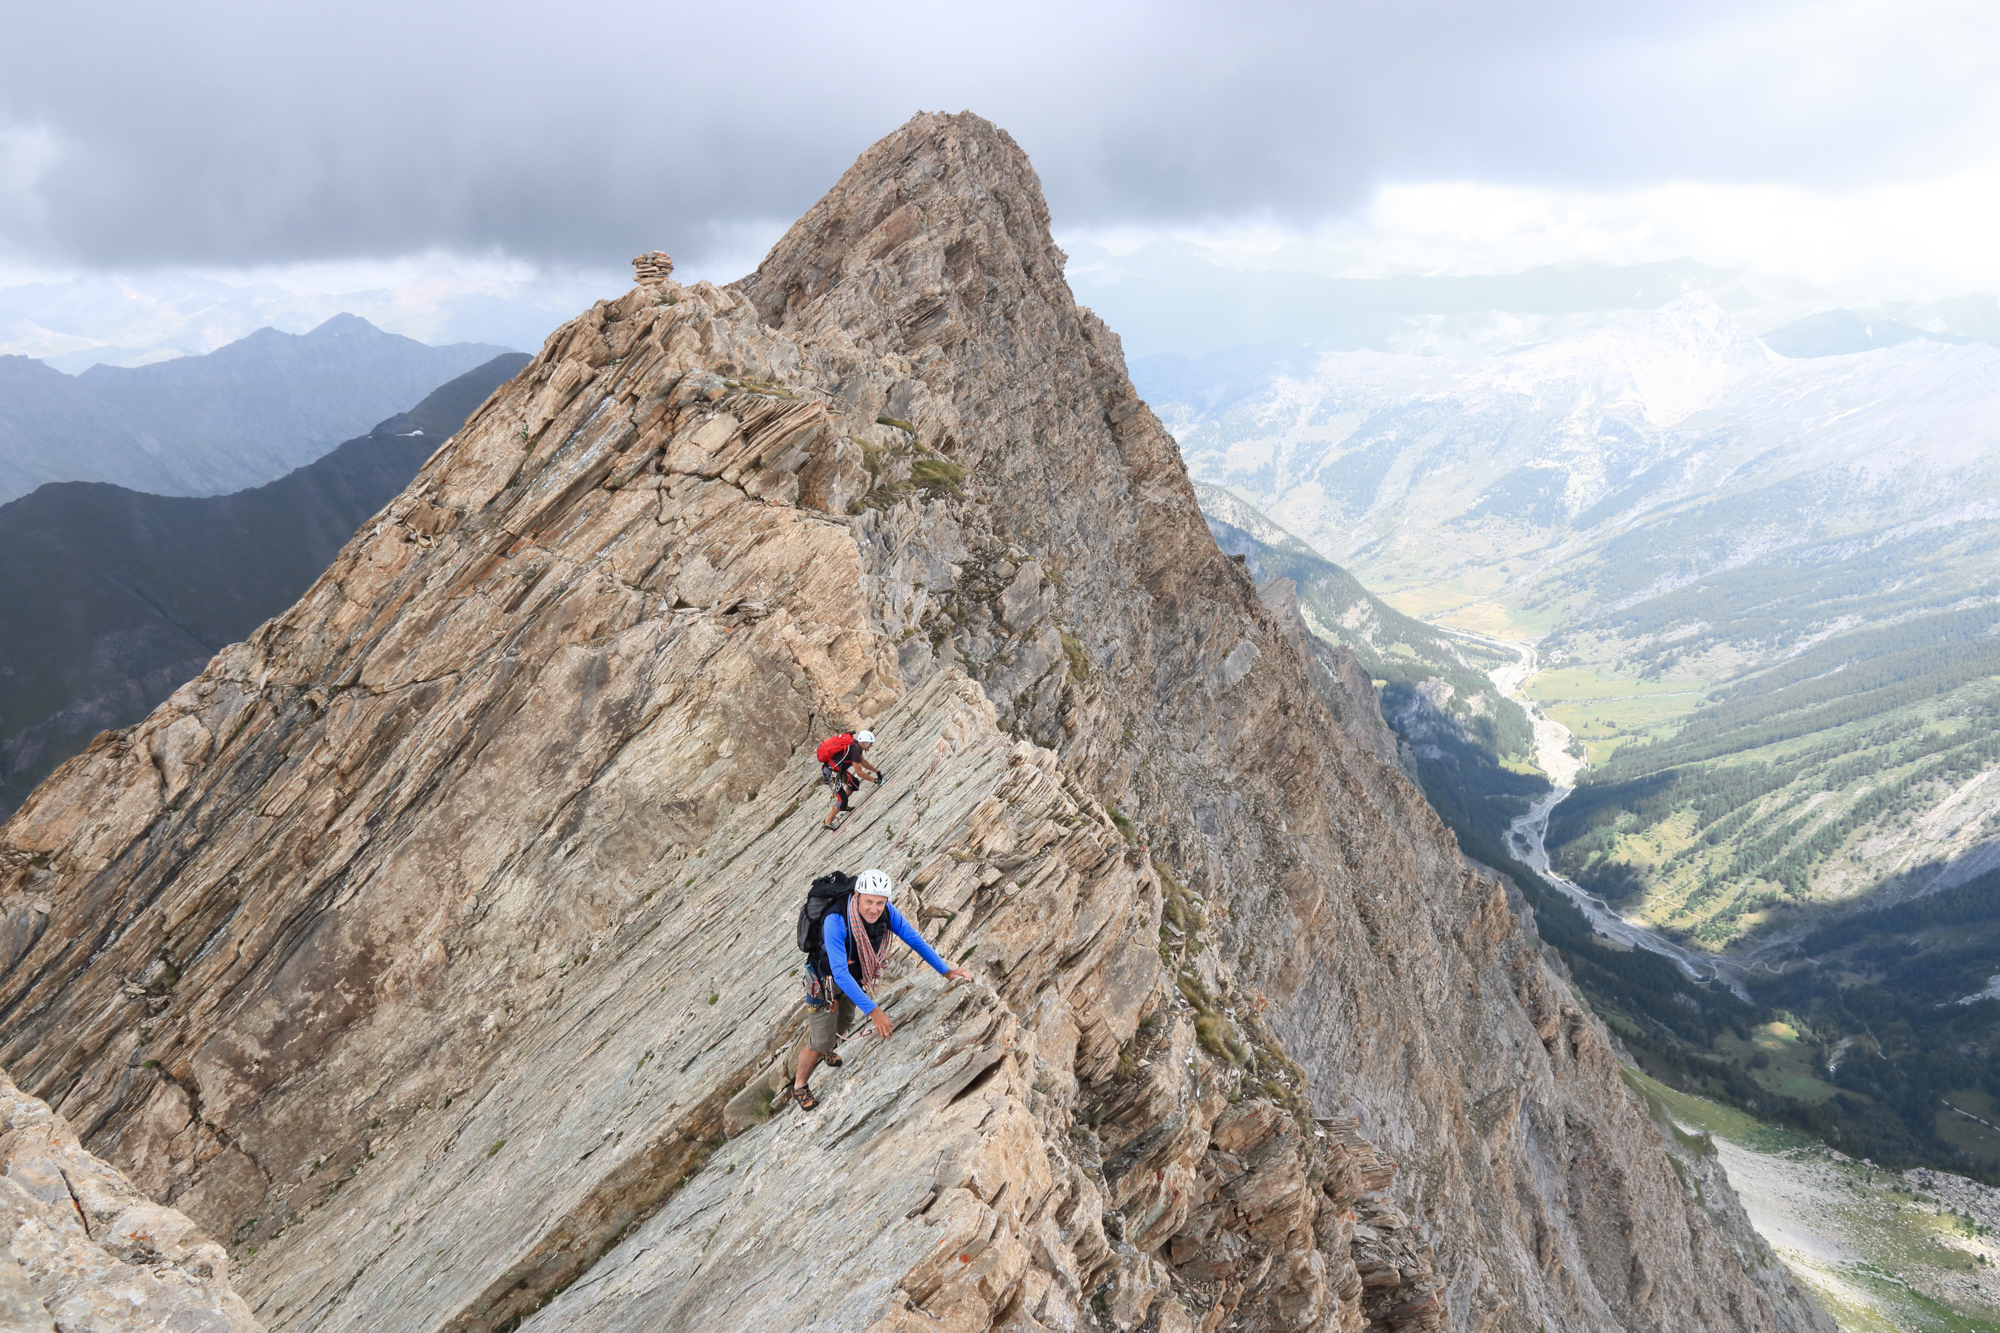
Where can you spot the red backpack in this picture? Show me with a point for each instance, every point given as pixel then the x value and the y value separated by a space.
pixel 834 747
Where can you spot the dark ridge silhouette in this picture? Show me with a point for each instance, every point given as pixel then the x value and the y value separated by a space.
pixel 112 598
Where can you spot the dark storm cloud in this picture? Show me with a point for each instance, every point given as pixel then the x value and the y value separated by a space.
pixel 256 132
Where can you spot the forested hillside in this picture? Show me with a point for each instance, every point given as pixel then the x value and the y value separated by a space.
pixel 1830 813
pixel 1850 732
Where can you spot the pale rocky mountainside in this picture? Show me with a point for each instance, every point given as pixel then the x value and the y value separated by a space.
pixel 85 1252
pixel 1422 470
pixel 434 947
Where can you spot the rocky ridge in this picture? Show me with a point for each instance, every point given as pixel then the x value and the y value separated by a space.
pixel 433 946
pixel 85 1251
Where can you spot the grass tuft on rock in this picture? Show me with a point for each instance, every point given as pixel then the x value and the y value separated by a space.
pixel 1079 660
pixel 938 476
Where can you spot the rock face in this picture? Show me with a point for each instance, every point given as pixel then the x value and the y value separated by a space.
pixel 1338 679
pixel 113 598
pixel 436 941
pixel 84 1250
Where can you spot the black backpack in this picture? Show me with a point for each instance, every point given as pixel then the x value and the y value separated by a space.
pixel 826 893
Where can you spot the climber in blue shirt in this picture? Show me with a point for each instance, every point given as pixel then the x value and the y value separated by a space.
pixel 853 933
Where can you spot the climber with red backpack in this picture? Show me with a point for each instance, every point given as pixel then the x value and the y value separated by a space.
pixel 844 929
pixel 843 763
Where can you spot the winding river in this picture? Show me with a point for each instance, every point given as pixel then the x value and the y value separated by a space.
pixel 1527 835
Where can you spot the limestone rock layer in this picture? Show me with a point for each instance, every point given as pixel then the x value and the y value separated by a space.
pixel 84 1251
pixel 434 947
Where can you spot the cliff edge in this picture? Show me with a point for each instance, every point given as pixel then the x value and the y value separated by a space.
pixel 433 947
pixel 84 1250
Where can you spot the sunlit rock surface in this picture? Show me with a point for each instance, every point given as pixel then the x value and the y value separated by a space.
pixel 81 1251
pixel 437 941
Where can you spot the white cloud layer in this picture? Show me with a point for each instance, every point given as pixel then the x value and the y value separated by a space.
pixel 1905 239
pixel 237 134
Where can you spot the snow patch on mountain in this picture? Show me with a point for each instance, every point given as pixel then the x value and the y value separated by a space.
pixel 1881 413
pixel 1668 364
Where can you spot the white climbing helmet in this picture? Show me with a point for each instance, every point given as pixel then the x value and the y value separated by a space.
pixel 875 883
pixel 865 737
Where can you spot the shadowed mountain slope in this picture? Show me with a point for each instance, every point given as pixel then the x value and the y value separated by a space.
pixel 437 940
pixel 113 598
pixel 1838 332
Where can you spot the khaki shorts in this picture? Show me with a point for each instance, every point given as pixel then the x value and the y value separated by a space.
pixel 824 1026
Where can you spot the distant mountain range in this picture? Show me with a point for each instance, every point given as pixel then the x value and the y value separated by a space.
pixel 139 318
pixel 1838 332
pixel 112 598
pixel 204 425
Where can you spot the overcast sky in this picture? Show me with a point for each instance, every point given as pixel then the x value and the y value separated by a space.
pixel 1438 135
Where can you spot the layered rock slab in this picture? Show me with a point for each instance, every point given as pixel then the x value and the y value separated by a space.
pixel 82 1251
pixel 457 777
pixel 1335 898
pixel 357 877
pixel 620 1100
pixel 363 842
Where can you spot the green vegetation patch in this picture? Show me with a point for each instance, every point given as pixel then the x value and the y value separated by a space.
pixel 1966 1119
pixel 1782 810
pixel 899 471
pixel 1604 711
pixel 938 476
pixel 1079 657
pixel 1779 1060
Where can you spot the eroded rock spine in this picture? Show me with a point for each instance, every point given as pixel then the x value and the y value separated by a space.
pixel 436 940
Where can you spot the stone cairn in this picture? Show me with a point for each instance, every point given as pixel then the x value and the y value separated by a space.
pixel 653 268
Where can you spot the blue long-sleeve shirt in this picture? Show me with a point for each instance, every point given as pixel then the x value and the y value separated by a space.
pixel 834 933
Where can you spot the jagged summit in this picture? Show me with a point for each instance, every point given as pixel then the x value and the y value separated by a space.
pixel 437 941
pixel 942 223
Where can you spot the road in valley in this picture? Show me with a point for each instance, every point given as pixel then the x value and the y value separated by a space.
pixel 1527 835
